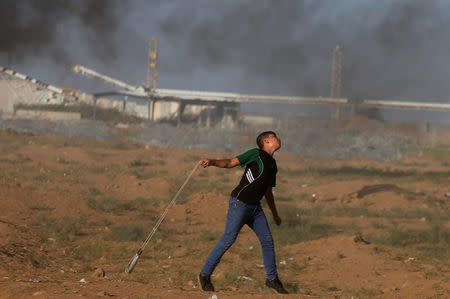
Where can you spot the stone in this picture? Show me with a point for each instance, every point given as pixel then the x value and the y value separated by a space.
pixel 98 273
pixel 105 294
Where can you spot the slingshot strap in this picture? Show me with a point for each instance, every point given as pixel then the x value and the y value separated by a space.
pixel 163 215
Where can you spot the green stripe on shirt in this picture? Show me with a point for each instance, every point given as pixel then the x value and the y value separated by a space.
pixel 249 157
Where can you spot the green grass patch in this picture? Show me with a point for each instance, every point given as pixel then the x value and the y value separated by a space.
pixel 145 175
pixel 433 241
pixel 124 233
pixel 120 146
pixel 40 207
pixel 394 213
pixel 363 292
pixel 101 222
pixel 350 172
pixel 110 204
pixel 37 260
pixel 147 201
pixel 89 250
pixel 208 235
pixel 86 111
pixel 94 191
pixel 65 229
pixel 297 227
pixel 42 178
pixel 284 198
pixel 438 152
pixel 139 163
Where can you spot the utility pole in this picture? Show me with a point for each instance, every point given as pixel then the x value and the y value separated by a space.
pixel 336 81
pixel 152 76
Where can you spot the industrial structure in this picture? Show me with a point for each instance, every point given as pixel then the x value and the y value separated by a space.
pixel 18 88
pixel 336 82
pixel 180 99
pixel 157 104
pixel 152 64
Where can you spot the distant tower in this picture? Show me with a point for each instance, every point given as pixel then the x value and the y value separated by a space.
pixel 336 82
pixel 153 64
pixel 336 73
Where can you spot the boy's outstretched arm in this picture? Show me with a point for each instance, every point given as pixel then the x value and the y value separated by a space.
pixel 223 163
pixel 271 203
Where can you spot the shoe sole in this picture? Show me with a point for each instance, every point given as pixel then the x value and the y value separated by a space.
pixel 275 291
pixel 200 284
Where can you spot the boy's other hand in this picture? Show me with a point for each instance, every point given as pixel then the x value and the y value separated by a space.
pixel 277 219
pixel 205 162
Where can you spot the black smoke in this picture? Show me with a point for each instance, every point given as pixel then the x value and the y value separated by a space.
pixel 29 28
pixel 391 49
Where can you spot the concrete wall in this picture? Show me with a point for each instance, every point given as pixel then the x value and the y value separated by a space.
pixel 49 115
pixel 14 92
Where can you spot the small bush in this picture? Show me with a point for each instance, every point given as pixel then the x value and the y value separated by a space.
pixel 64 229
pixel 37 260
pixel 110 204
pixel 40 207
pixel 102 222
pixel 139 163
pixel 147 201
pixel 141 175
pixel 208 235
pixel 121 146
pixel 123 233
pixel 94 191
pixel 89 250
pixel 284 198
pixel 42 178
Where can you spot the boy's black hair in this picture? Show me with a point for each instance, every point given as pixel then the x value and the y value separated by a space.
pixel 260 138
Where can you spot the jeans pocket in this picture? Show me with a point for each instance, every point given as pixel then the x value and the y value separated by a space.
pixel 236 203
pixel 236 207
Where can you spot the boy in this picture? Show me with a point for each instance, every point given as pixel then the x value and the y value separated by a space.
pixel 245 208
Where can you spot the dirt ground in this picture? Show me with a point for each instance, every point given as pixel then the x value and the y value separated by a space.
pixel 72 208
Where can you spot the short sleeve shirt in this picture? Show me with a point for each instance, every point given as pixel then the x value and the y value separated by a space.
pixel 260 174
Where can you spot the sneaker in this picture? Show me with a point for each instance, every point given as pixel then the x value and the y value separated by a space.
pixel 205 282
pixel 276 286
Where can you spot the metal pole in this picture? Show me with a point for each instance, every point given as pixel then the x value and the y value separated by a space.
pixel 208 116
pixel 124 106
pixel 95 108
pixel 180 112
pixel 153 111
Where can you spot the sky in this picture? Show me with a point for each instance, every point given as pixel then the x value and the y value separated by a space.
pixel 391 49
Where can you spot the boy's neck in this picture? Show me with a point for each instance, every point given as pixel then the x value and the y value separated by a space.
pixel 269 151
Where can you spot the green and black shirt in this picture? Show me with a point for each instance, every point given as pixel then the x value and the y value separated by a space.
pixel 260 174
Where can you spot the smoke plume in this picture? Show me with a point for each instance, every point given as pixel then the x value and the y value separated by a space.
pixel 30 28
pixel 391 49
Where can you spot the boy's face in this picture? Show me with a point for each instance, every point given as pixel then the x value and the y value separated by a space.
pixel 274 141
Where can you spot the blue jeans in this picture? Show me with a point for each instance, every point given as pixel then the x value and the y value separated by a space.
pixel 240 213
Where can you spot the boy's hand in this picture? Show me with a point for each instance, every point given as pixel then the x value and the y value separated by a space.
pixel 205 162
pixel 277 219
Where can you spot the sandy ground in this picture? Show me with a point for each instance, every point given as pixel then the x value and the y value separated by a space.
pixel 70 207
